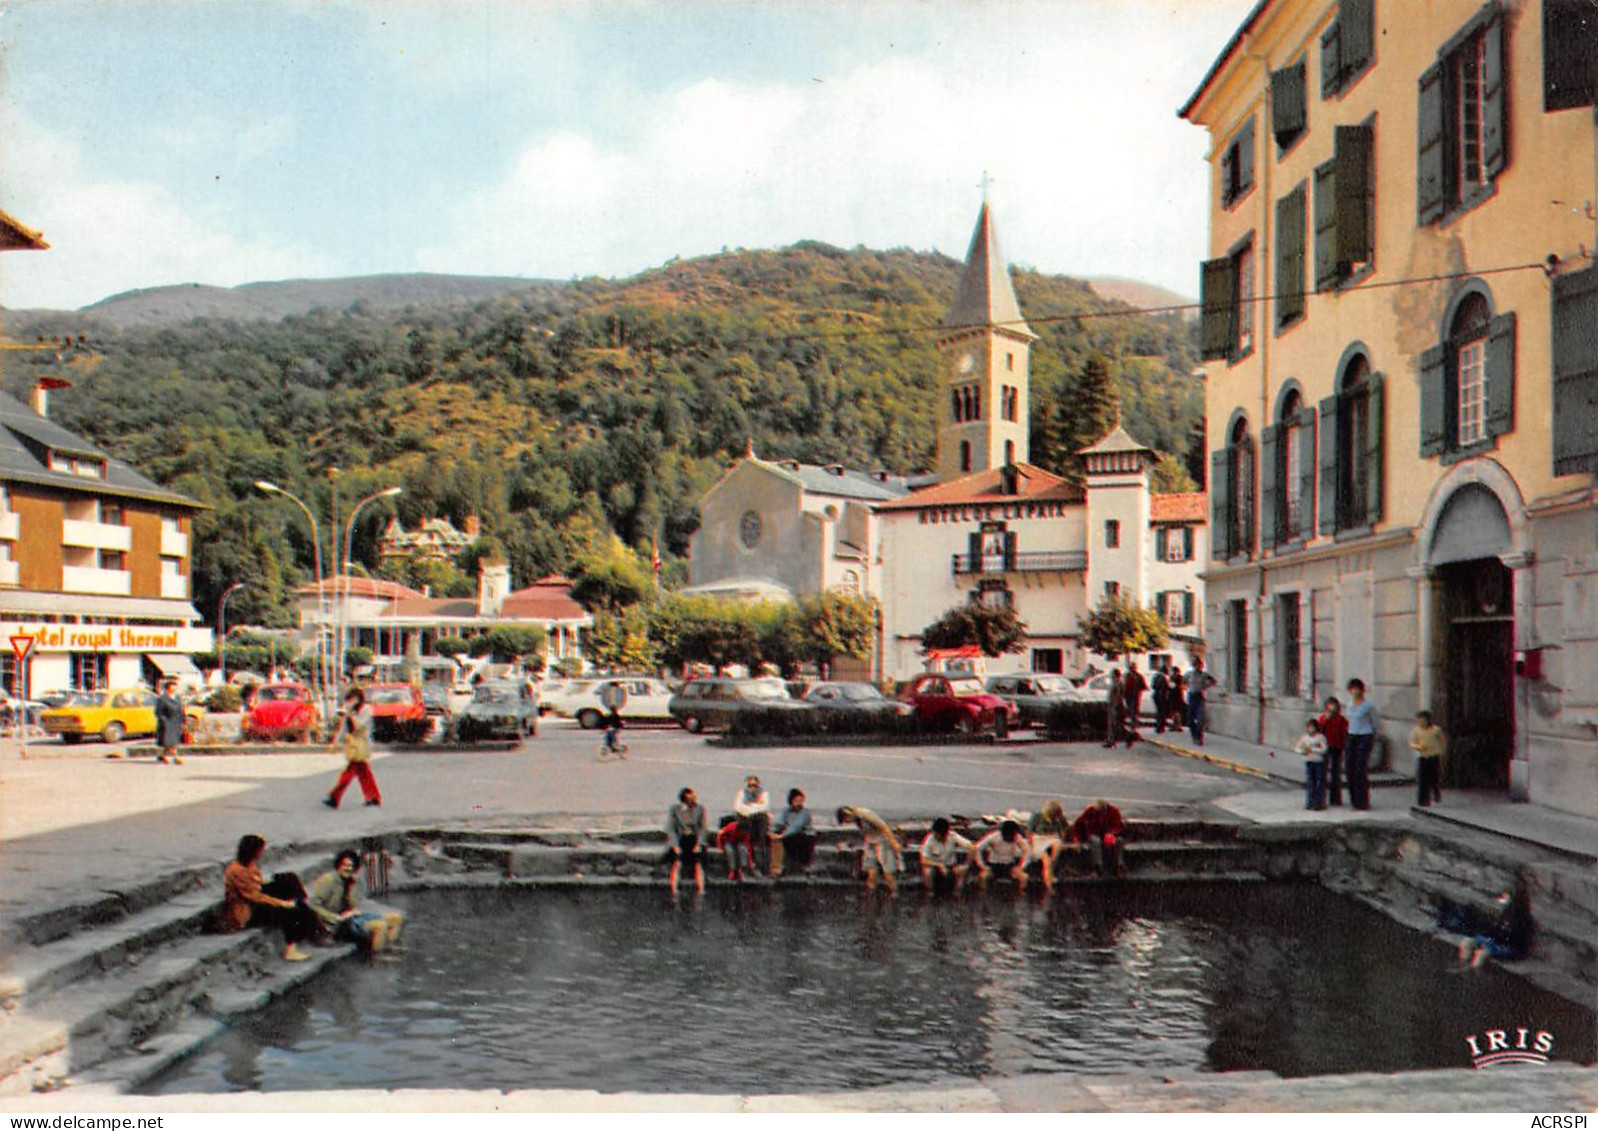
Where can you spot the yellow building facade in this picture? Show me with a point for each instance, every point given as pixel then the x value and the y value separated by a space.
pixel 1401 341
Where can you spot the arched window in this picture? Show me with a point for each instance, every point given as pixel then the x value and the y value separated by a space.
pixel 965 455
pixel 954 398
pixel 1287 471
pixel 1467 347
pixel 1467 380
pixel 976 404
pixel 1351 451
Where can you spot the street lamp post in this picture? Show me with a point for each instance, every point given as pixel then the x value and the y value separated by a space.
pixel 221 628
pixel 321 597
pixel 349 534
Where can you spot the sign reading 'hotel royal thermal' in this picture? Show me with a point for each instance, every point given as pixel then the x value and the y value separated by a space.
pixel 111 637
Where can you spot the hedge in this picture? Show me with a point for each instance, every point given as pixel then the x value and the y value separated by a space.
pixel 1072 721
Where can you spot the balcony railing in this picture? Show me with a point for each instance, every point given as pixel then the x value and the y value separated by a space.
pixel 110 582
pixel 175 586
pixel 1050 561
pixel 96 535
pixel 10 573
pixel 10 526
pixel 174 544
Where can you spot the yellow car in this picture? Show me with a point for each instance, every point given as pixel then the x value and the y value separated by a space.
pixel 110 715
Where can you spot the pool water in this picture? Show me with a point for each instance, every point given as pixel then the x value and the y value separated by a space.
pixel 766 990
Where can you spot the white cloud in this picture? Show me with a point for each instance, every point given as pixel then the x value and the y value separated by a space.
pixel 111 235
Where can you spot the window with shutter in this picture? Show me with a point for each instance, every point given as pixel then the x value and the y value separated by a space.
pixel 1331 62
pixel 1290 257
pixel 1433 401
pixel 1220 507
pixel 1575 366
pixel 1306 471
pixel 1162 537
pixel 1570 54
pixel 1375 433
pixel 1353 185
pixel 1270 509
pixel 1288 105
pixel 1500 362
pixel 1325 226
pixel 1218 298
pixel 1348 46
pixel 1331 448
pixel 1463 122
pixel 1237 166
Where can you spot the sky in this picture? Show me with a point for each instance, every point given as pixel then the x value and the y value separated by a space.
pixel 158 142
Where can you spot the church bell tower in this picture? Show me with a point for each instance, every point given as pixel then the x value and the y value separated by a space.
pixel 984 347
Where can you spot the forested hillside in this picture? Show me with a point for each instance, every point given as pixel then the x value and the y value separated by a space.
pixel 563 412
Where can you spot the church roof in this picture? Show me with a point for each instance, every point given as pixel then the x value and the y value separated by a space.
pixel 1033 485
pixel 986 297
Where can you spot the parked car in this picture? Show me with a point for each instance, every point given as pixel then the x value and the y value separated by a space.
pixel 563 696
pixel 956 702
pixel 504 709
pixel 1095 688
pixel 437 700
pixel 282 712
pixel 1032 694
pixel 646 699
pixel 863 698
pixel 398 712
pixel 710 704
pixel 110 715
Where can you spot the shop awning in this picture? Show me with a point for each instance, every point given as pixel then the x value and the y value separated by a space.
pixel 29 603
pixel 964 652
pixel 173 663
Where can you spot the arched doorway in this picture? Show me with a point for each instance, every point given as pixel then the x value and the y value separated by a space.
pixel 1476 631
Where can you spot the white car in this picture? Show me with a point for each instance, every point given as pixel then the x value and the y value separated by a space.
pixel 562 696
pixel 646 699
pixel 1096 689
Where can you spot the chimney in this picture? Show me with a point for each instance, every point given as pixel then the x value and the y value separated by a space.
pixel 493 586
pixel 836 469
pixel 473 525
pixel 39 399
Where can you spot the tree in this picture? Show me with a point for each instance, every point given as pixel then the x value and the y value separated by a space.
pixel 1170 477
pixel 995 631
pixel 1119 628
pixel 620 642
pixel 518 642
pixel 834 624
pixel 450 646
pixel 612 585
pixel 1088 409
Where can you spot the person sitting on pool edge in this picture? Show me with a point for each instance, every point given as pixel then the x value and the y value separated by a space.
pixel 685 836
pixel 1047 832
pixel 250 900
pixel 793 838
pixel 945 856
pixel 1101 827
pixel 881 857
pixel 737 846
pixel 336 904
pixel 1003 854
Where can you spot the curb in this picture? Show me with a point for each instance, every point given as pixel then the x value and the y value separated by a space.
pixel 1223 763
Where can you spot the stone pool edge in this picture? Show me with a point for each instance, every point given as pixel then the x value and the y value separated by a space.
pixel 1555 1087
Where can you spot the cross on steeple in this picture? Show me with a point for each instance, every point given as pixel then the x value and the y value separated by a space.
pixel 986 181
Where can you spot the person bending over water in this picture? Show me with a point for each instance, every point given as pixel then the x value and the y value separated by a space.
pixel 882 857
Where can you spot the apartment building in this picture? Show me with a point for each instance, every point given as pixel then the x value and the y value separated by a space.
pixel 1401 339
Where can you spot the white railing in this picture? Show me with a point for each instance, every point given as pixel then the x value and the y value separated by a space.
pixel 96 535
pixel 10 526
pixel 174 544
pixel 175 586
pixel 111 582
pixel 10 573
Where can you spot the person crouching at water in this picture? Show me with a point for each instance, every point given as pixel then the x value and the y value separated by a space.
pixel 881 857
pixel 1100 826
pixel 685 838
pixel 1003 854
pixel 336 904
pixel 250 900
pixel 944 856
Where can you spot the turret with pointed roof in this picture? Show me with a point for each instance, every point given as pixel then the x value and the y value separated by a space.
pixel 985 345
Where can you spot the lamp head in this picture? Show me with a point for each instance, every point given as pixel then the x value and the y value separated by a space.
pixel 391 492
pixel 269 488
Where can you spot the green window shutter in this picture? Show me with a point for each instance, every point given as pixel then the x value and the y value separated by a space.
pixel 1220 508
pixel 1290 257
pixel 1495 118
pixel 1288 111
pixel 1009 551
pixel 1270 455
pixel 1331 62
pixel 974 545
pixel 1375 430
pixel 1245 158
pixel 1356 30
pixel 1326 226
pixel 1500 370
pixel 1351 188
pixel 1187 543
pixel 1228 163
pixel 1575 334
pixel 1329 451
pixel 1245 498
pixel 1218 299
pixel 1162 536
pixel 1306 471
pixel 1187 609
pixel 1570 54
pixel 1434 401
pixel 1430 132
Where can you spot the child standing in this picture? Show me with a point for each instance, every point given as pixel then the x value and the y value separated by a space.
pixel 1311 746
pixel 1428 743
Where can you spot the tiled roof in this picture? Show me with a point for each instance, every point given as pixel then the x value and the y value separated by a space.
pixel 1118 439
pixel 17 236
pixel 1033 485
pixel 1190 507
pixel 435 607
pixel 541 602
pixel 27 439
pixel 360 587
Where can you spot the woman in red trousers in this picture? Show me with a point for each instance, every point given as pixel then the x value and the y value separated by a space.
pixel 354 736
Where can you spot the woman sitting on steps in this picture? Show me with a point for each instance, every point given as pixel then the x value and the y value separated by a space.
pixel 251 901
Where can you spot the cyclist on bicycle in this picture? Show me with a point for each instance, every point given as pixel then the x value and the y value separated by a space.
pixel 613 725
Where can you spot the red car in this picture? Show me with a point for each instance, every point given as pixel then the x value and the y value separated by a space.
pixel 282 712
pixel 399 713
pixel 956 702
